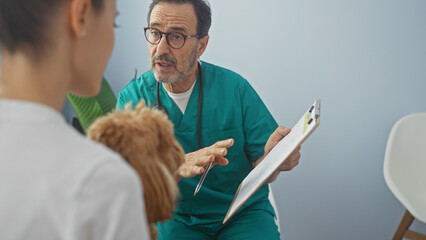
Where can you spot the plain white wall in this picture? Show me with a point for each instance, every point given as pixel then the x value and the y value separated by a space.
pixel 365 59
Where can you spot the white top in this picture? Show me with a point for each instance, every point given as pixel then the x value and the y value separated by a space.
pixel 181 99
pixel 56 184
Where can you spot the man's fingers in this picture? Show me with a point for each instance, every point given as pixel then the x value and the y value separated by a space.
pixel 190 171
pixel 289 166
pixel 217 151
pixel 295 156
pixel 221 161
pixel 196 170
pixel 224 143
pixel 205 160
pixel 275 137
pixel 292 161
pixel 219 148
pixel 296 153
pixel 298 149
pixel 196 162
pixel 213 159
pixel 280 133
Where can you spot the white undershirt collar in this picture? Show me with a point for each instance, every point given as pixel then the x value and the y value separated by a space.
pixel 181 99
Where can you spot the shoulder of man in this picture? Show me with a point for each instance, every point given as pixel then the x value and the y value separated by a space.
pixel 146 79
pixel 223 75
pixel 136 89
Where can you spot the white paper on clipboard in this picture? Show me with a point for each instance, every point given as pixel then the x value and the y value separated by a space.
pixel 260 174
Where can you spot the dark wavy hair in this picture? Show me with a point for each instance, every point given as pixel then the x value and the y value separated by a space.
pixel 23 23
pixel 202 9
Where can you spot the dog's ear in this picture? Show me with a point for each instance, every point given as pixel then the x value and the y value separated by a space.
pixel 173 155
pixel 160 188
pixel 154 232
pixel 169 149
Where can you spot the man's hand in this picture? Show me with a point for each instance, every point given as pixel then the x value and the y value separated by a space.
pixel 292 160
pixel 196 162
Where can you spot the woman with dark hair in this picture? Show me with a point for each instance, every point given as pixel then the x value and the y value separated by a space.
pixel 54 183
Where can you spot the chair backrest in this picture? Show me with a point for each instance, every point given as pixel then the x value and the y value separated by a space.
pixel 405 163
pixel 274 206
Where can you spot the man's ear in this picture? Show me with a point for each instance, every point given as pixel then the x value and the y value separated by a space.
pixel 79 15
pixel 202 45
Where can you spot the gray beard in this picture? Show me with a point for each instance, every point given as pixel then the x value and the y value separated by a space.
pixel 180 75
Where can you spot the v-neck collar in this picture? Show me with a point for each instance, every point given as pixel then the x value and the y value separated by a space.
pixel 182 121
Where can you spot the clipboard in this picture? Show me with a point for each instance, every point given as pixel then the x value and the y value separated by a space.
pixel 261 173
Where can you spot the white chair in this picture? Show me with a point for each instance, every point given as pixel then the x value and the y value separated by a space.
pixel 405 170
pixel 274 206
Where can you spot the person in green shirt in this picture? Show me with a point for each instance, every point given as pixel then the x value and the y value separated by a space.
pixel 218 118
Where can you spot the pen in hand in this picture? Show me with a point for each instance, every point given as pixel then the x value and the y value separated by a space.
pixel 217 151
pixel 197 189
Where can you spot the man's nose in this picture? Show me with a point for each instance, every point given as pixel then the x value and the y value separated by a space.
pixel 163 47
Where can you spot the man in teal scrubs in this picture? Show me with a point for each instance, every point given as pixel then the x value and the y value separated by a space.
pixel 235 126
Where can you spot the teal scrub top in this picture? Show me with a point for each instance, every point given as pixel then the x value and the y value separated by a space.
pixel 231 109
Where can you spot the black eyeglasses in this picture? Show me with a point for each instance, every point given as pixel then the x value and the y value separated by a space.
pixel 174 39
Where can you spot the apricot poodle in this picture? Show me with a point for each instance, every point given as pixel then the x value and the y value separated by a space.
pixel 145 138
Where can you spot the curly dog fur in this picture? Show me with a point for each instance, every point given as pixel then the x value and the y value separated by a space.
pixel 145 139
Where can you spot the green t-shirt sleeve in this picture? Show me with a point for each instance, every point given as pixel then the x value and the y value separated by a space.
pixel 88 109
